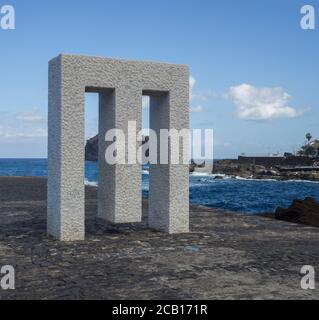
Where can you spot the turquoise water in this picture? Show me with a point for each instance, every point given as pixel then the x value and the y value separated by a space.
pixel 247 196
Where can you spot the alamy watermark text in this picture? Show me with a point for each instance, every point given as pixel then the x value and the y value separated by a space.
pixel 308 19
pixel 162 147
pixel 7 17
pixel 308 281
pixel 7 278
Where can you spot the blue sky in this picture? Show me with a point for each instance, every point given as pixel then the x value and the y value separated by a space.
pixel 254 70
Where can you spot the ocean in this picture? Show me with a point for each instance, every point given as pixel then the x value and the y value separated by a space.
pixel 239 195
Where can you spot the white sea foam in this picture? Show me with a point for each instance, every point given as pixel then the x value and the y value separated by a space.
pixel 275 180
pixel 303 181
pixel 201 174
pixel 251 179
pixel 91 183
pixel 223 176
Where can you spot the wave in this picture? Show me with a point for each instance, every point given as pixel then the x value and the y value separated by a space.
pixel 201 174
pixel 275 180
pixel 91 183
pixel 252 179
pixel 221 176
pixel 303 181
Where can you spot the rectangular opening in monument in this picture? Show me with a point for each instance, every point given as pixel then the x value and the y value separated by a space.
pixel 158 178
pixel 99 118
pixel 145 127
pixel 91 137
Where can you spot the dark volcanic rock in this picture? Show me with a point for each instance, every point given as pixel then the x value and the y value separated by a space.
pixel 92 149
pixel 227 166
pixel 193 165
pixel 301 211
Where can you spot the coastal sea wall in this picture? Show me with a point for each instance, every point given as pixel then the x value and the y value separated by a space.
pixel 278 161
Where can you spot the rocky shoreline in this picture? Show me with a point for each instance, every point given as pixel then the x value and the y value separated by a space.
pixel 235 168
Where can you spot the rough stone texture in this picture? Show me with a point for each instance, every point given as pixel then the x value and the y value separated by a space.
pixel 226 256
pixel 120 85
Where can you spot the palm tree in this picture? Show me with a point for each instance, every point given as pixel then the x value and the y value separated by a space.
pixel 308 137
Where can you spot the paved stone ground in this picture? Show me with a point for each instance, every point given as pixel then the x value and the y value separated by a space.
pixel 226 256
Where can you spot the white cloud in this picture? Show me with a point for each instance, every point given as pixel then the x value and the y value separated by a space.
pixel 11 133
pixel 197 109
pixel 37 133
pixel 192 82
pixel 200 96
pixel 29 124
pixel 33 115
pixel 261 103
pixel 204 96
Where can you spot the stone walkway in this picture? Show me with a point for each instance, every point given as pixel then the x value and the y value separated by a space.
pixel 226 256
